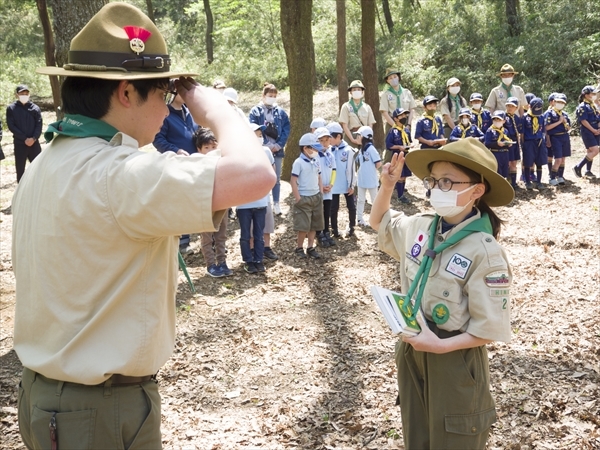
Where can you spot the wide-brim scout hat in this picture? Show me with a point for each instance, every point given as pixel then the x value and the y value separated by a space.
pixel 356 84
pixel 507 69
pixel 389 71
pixel 469 153
pixel 119 43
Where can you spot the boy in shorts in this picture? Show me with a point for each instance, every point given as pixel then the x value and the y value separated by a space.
pixel 307 189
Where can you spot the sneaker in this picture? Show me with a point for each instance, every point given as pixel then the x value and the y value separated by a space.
pixel 336 234
pixel 529 186
pixel 330 239
pixel 276 209
pixel 577 171
pixel 227 272
pixel 260 267
pixel 554 182
pixel 561 181
pixel 403 199
pixel 185 249
pixel 299 252
pixel 540 185
pixel 361 223
pixel 349 232
pixel 516 187
pixel 250 267
pixel 312 252
pixel 270 254
pixel 590 175
pixel 323 241
pixel 231 214
pixel 215 271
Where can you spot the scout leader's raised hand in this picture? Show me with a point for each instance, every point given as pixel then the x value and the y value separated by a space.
pixel 390 174
pixel 243 173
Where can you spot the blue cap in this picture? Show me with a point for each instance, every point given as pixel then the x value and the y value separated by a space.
pixel 310 140
pixel 588 90
pixel 529 96
pixel 536 104
pixel 464 112
pixel 476 96
pixel 335 127
pixel 429 99
pixel 322 131
pixel 317 122
pixel 398 112
pixel 560 98
pixel 512 101
pixel 365 131
pixel 552 97
pixel 499 115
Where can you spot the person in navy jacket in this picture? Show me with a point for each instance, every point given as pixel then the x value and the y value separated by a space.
pixel 588 117
pixel 514 130
pixel 480 117
pixel 558 125
pixel 464 128
pixel 430 130
pixel 534 150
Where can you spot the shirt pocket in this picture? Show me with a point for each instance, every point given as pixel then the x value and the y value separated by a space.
pixel 444 302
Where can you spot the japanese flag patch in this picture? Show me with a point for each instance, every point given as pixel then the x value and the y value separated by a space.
pixel 458 265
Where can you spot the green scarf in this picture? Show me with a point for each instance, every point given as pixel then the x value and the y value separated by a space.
pixel 506 88
pixel 482 224
pixel 456 100
pixel 354 107
pixel 76 125
pixel 397 93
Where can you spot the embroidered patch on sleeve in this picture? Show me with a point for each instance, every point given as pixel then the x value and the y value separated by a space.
pixel 497 280
pixel 458 265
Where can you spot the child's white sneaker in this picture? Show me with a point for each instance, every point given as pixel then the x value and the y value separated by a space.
pixel 276 209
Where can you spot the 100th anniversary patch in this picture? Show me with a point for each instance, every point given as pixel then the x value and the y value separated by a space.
pixel 458 265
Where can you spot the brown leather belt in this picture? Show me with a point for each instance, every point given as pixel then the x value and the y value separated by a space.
pixel 442 334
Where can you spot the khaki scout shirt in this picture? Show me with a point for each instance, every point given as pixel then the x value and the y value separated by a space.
pixel 445 109
pixel 496 101
pixel 365 116
pixel 96 227
pixel 471 279
pixel 389 102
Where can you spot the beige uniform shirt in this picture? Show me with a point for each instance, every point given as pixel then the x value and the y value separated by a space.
pixel 389 102
pixel 365 116
pixel 445 109
pixel 471 279
pixel 95 238
pixel 496 101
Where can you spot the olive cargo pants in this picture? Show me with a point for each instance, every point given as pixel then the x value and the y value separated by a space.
pixel 445 399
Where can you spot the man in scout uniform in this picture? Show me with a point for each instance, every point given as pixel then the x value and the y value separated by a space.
pixel 355 113
pixel 394 96
pixel 95 235
pixel 496 101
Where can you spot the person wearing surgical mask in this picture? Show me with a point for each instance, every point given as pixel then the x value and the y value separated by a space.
pixel 395 96
pixel 588 116
pixel 450 105
pixel 275 133
pixel 463 277
pixel 24 120
pixel 496 101
pixel 465 128
pixel 355 113
pixel 558 125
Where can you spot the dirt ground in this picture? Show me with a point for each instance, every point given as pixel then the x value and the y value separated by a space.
pixel 300 357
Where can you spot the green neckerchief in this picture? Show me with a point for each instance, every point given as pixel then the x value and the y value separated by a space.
pixel 456 100
pixel 76 125
pixel 397 93
pixel 355 108
pixel 506 88
pixel 482 224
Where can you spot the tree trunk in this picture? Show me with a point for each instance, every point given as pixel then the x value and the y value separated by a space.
pixel 209 32
pixel 313 59
pixel 150 9
pixel 296 33
pixel 369 68
pixel 342 76
pixel 385 4
pixel 69 19
pixel 513 13
pixel 49 52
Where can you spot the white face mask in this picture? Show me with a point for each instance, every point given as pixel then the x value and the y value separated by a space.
pixel 476 106
pixel 559 106
pixel 465 121
pixel 357 95
pixel 394 82
pixel 454 90
pixel 23 98
pixel 444 203
pixel 269 101
pixel 498 124
pixel 507 81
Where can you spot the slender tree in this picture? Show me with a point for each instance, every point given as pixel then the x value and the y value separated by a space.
pixel 369 67
pixel 513 17
pixel 150 9
pixel 385 4
pixel 296 32
pixel 342 76
pixel 209 32
pixel 49 49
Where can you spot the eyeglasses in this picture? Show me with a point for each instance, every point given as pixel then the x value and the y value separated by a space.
pixel 445 184
pixel 169 96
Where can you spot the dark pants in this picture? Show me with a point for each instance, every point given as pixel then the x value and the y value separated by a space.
pixel 256 218
pixel 24 153
pixel 335 207
pixel 502 158
pixel 101 416
pixel 326 214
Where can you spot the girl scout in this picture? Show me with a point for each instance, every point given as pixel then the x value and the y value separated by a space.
pixel 395 96
pixel 451 105
pixel 355 113
pixel 588 117
pixel 443 373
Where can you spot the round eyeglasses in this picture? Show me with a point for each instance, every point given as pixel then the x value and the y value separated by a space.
pixel 169 96
pixel 444 184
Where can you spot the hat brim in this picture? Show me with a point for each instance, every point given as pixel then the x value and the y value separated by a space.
pixel 507 73
pixel 317 147
pixel 111 75
pixel 501 192
pixel 391 73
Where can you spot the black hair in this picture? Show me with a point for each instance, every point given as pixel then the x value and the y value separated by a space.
pixel 475 177
pixel 203 136
pixel 91 97
pixel 335 135
pixel 462 103
pixel 365 143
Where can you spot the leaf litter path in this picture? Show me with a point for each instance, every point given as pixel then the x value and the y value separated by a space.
pixel 299 358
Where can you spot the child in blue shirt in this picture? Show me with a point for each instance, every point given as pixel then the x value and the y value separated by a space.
pixel 430 130
pixel 480 117
pixel 498 143
pixel 558 124
pixel 465 128
pixel 307 189
pixel 514 132
pixel 588 117
pixel 369 161
pixel 345 179
pixel 328 175
pixel 534 148
pixel 398 140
